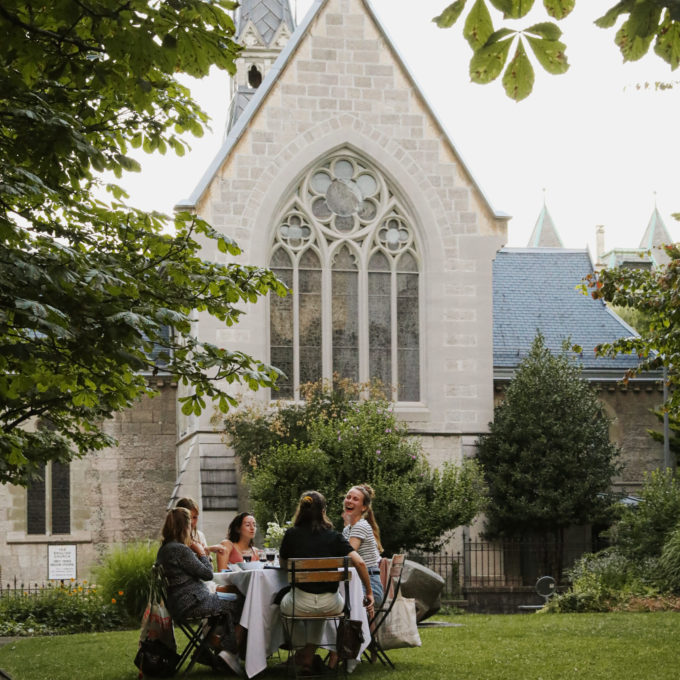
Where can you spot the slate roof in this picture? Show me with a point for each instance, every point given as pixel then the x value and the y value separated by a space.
pixel 239 102
pixel 535 288
pixel 267 15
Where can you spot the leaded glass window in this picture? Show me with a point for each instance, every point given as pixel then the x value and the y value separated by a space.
pixel 345 244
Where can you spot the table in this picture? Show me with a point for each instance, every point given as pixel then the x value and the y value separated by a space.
pixel 261 617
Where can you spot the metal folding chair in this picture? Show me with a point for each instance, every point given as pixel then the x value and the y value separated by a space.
pixel 197 631
pixel 374 650
pixel 315 570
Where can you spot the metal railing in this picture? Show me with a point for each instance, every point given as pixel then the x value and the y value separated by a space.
pixel 501 564
pixel 16 588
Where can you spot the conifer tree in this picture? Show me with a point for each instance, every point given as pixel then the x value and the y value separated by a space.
pixel 547 457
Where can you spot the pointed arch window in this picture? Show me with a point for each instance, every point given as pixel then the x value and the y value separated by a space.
pixel 346 247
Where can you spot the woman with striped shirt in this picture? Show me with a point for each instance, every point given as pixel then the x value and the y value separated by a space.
pixel 363 533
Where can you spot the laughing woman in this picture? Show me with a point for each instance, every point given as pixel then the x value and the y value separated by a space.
pixel 363 533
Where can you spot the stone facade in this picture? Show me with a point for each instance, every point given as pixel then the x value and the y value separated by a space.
pixel 117 495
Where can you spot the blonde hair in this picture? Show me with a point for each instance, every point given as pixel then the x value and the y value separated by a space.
pixel 177 526
pixel 369 494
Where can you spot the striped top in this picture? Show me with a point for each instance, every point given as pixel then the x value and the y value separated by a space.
pixel 368 548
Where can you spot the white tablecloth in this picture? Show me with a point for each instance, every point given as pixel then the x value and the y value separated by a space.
pixel 261 617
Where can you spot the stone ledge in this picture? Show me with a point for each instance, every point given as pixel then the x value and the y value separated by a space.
pixel 18 537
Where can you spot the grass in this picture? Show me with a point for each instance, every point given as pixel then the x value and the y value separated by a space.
pixel 519 647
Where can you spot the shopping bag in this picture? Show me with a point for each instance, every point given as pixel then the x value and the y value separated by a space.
pixel 400 628
pixel 157 624
pixel 157 654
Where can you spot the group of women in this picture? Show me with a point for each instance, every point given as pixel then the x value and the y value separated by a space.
pixel 185 557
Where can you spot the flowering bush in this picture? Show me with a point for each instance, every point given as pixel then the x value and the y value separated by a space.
pixel 71 608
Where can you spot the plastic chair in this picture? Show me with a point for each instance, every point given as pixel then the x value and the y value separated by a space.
pixel 197 631
pixel 314 570
pixel 393 585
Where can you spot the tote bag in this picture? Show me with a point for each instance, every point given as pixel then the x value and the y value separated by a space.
pixel 157 654
pixel 400 628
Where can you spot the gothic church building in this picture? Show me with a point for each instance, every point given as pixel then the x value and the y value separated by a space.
pixel 336 174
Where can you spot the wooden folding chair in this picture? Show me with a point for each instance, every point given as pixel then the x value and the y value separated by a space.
pixel 315 570
pixel 197 631
pixel 374 650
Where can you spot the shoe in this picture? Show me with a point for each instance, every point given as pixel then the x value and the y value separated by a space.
pixel 232 661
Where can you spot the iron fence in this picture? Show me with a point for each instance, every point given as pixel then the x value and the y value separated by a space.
pixel 16 588
pixel 502 564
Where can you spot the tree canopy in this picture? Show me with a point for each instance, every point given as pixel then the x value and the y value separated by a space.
pixel 656 293
pixel 89 287
pixel 547 457
pixel 641 24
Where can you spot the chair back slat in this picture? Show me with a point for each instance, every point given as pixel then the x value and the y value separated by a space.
pixel 320 576
pixel 318 570
pixel 313 563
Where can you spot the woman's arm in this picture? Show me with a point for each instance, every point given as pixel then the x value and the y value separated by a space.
pixel 223 556
pixel 355 542
pixel 195 565
pixel 360 566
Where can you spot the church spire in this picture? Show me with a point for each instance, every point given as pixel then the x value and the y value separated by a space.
pixel 263 27
pixel 656 236
pixel 545 233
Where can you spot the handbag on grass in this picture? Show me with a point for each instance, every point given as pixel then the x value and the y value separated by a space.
pixel 400 628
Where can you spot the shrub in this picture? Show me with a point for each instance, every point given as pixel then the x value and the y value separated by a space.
pixel 335 441
pixel 602 581
pixel 643 529
pixel 74 608
pixel 669 562
pixel 125 576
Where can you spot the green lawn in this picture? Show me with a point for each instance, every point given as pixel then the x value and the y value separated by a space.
pixel 519 647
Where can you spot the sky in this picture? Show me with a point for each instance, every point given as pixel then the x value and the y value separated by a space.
pixel 595 144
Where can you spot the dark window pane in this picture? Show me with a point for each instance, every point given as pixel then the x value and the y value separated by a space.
pixel 409 375
pixel 35 510
pixel 310 322
pixel 345 315
pixel 408 337
pixel 379 327
pixel 280 260
pixel 61 498
pixel 379 263
pixel 282 358
pixel 281 333
pixel 407 263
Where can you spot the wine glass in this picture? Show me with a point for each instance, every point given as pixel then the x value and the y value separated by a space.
pixel 271 556
pixel 247 558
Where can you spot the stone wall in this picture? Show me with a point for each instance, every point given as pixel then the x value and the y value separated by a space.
pixel 117 495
